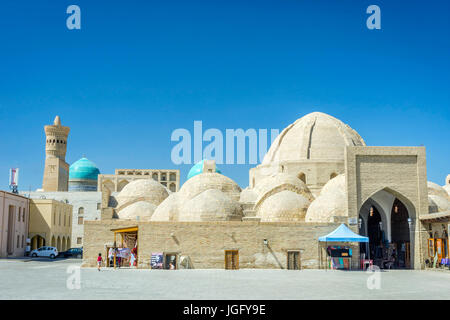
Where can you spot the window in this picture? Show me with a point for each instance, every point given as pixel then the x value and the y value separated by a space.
pixel 18 216
pixel 23 215
pixel 98 206
pixel 79 239
pixel 18 238
pixel 64 220
pixel 81 210
pixel 59 221
pixel 22 240
pixel 80 220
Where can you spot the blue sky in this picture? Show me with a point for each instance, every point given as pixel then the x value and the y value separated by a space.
pixel 137 70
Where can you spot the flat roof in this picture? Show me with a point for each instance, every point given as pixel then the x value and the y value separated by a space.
pixel 437 217
pixel 14 194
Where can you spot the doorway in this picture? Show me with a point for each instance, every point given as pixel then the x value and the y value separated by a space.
pixel 231 259
pixel 293 260
pixel 375 234
pixel 170 261
pixel 400 238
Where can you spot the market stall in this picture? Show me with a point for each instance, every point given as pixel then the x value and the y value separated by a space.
pixel 124 254
pixel 339 257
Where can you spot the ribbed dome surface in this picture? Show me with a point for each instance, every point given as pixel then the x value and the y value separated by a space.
pixel 316 136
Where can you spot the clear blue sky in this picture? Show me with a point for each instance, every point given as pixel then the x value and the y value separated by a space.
pixel 137 70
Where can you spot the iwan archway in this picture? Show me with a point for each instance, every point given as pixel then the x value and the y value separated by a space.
pixel 388 222
pixel 391 183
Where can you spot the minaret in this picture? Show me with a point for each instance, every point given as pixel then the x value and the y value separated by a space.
pixel 56 172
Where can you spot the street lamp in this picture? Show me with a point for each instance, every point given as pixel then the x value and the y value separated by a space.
pixel 381 225
pixel 360 223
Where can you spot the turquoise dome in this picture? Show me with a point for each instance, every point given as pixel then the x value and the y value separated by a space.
pixel 83 169
pixel 197 169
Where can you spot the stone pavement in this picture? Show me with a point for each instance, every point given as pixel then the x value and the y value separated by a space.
pixel 47 279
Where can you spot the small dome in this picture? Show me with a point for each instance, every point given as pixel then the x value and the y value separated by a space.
pixel 284 206
pixel 141 190
pixel 142 209
pixel 197 169
pixel 168 209
pixel 209 180
pixel 211 205
pixel 83 169
pixel 325 207
pixel 316 136
pixel 438 203
pixel 279 182
pixel 337 183
pixel 331 202
pixel 435 189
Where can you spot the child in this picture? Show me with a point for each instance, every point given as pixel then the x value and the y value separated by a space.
pixel 99 261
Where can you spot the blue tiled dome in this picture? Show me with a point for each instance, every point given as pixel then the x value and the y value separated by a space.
pixel 83 169
pixel 197 169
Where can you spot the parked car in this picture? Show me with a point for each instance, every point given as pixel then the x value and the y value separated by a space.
pixel 72 253
pixel 50 252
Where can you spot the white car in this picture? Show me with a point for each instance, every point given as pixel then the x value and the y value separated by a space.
pixel 50 252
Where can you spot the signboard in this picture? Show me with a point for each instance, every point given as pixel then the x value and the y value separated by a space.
pixel 13 177
pixel 156 262
pixel 339 253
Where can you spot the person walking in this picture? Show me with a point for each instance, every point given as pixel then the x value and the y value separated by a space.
pixel 99 261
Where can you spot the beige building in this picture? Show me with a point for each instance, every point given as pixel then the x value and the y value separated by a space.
pixel 14 219
pixel 50 224
pixel 317 174
pixel 116 182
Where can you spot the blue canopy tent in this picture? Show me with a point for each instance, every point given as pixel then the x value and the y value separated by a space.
pixel 341 234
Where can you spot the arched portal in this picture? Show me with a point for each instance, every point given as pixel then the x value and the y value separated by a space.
pixel 63 244
pixel 58 244
pixel 53 242
pixel 122 185
pixel 386 218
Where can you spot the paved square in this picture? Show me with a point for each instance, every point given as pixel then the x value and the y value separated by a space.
pixel 46 279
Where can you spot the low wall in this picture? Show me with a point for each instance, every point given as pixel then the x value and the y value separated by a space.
pixel 205 242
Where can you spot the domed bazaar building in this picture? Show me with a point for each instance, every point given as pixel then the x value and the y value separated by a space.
pixel 318 174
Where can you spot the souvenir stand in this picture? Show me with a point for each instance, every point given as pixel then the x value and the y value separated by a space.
pixel 341 234
pixel 128 247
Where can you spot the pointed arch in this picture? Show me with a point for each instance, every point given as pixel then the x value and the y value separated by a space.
pixel 122 184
